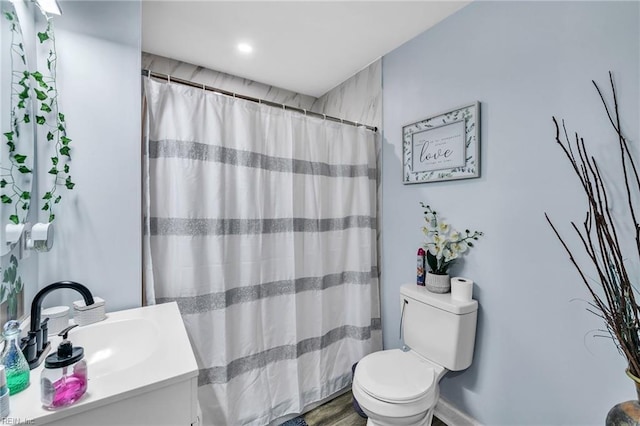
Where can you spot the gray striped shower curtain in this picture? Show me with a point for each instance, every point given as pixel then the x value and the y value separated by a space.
pixel 261 224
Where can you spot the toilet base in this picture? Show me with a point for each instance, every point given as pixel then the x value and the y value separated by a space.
pixel 406 421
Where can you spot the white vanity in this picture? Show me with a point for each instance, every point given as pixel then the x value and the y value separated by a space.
pixel 142 371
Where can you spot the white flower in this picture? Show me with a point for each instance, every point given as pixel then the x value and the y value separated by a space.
pixel 462 247
pixel 443 227
pixel 449 255
pixel 455 236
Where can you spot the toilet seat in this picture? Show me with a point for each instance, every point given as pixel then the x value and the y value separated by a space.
pixel 396 377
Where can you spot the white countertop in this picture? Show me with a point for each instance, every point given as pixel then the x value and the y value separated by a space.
pixel 134 351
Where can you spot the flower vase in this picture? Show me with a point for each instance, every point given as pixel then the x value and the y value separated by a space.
pixel 437 283
pixel 626 413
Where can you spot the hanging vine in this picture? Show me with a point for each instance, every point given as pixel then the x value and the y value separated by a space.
pixel 16 175
pixel 53 122
pixel 42 89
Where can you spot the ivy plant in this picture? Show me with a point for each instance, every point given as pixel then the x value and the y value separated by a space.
pixel 16 174
pixel 40 90
pixel 52 121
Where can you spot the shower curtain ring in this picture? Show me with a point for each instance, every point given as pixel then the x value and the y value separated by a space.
pixel 168 79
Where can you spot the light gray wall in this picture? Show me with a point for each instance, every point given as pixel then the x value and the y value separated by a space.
pixel 98 226
pixel 357 99
pixel 536 359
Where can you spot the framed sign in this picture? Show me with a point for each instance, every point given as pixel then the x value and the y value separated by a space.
pixel 442 147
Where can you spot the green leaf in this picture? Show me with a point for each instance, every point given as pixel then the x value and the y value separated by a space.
pixel 43 37
pixel 432 261
pixel 47 196
pixel 5 199
pixel 65 140
pixel 43 84
pixel 8 16
pixel 54 161
pixel 3 183
pixel 26 195
pixel 21 104
pixel 65 151
pixel 19 286
pixel 20 158
pixel 66 168
pixel 37 75
pixel 27 118
pixel 61 116
pixel 68 183
pixel 53 171
pixel 45 207
pixel 24 169
pixel 9 135
pixel 25 206
pixel 12 146
pixel 41 95
pixel 58 198
pixel 49 64
pixel 40 119
pixel 49 136
pixel 24 94
pixel 44 107
pixel 61 127
pixel 51 217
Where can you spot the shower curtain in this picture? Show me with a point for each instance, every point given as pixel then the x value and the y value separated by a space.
pixel 261 224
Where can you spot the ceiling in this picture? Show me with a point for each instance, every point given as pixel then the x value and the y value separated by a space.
pixel 308 47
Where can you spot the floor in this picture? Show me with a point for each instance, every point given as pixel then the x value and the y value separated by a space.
pixel 339 412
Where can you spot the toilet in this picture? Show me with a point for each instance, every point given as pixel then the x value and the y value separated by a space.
pixel 400 387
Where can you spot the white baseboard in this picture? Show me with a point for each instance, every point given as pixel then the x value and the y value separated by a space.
pixel 452 416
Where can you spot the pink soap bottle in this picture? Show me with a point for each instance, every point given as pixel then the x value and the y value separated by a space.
pixel 64 377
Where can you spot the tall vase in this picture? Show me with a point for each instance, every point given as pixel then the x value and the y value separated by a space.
pixel 626 413
pixel 437 283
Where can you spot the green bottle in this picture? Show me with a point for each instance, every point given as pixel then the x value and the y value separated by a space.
pixel 14 362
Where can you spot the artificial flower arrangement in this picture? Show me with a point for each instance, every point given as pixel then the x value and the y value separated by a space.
pixel 443 243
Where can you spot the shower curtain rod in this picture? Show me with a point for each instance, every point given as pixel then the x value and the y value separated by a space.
pixel 149 73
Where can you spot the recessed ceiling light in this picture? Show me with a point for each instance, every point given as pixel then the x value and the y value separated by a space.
pixel 245 48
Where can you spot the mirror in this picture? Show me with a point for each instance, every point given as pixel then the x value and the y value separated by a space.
pixel 16 119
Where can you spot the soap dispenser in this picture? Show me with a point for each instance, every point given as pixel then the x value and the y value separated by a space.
pixel 64 377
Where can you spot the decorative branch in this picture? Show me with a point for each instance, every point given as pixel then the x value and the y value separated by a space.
pixel 599 237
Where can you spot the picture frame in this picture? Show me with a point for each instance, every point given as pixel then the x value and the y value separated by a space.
pixel 442 147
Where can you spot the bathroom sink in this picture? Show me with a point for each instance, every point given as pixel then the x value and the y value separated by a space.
pixel 114 346
pixel 128 362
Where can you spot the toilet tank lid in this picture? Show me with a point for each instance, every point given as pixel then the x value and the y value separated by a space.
pixel 440 301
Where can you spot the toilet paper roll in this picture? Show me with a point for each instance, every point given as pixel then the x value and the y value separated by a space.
pixel 462 289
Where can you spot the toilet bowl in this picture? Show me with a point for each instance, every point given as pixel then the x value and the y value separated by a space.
pixel 400 388
pixel 396 388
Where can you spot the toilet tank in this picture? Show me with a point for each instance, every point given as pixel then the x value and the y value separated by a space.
pixel 437 327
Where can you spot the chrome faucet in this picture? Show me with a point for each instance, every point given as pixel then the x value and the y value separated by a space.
pixel 36 344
